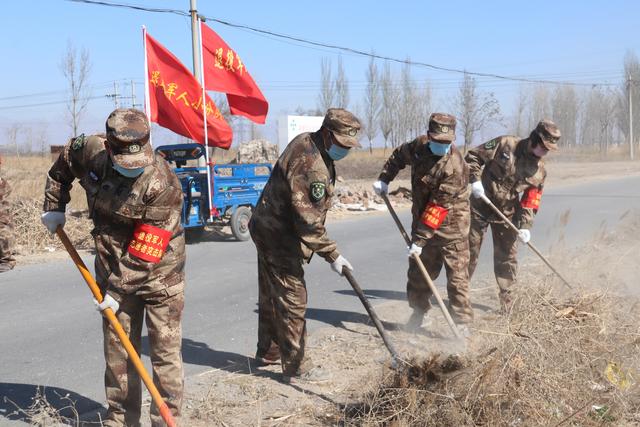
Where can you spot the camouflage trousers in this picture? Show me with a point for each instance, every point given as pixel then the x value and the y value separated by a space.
pixel 282 303
pixel 162 313
pixel 7 237
pixel 455 258
pixel 505 251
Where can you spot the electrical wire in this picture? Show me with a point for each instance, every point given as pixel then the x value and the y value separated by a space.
pixel 348 49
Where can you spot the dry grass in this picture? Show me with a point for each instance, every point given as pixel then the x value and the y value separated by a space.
pixel 28 175
pixel 558 358
pixel 33 237
pixel 42 413
pixel 546 364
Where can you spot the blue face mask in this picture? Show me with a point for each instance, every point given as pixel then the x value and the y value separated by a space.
pixel 439 149
pixel 128 173
pixel 337 153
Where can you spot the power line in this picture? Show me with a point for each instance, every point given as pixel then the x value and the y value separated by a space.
pixel 346 49
pixel 133 6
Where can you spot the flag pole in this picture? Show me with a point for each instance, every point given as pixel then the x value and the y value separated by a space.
pixel 147 101
pixel 204 119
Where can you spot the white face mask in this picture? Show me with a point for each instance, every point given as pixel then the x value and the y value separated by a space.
pixel 539 151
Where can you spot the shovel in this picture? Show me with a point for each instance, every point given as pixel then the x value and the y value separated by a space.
pixel 372 314
pixel 423 270
pixel 165 412
pixel 533 248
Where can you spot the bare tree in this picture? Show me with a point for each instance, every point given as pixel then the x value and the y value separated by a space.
pixel 408 108
pixel 474 109
pixel 565 106
pixel 372 103
pixel 540 106
pixel 12 136
pixel 327 86
pixel 341 86
pixel 521 106
pixel 631 83
pixel 41 139
pixel 388 113
pixel 76 68
pixel 598 119
pixel 386 110
pixel 424 108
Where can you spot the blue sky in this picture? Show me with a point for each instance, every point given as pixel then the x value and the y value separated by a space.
pixel 564 40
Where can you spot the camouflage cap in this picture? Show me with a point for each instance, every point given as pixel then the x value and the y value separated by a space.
pixel 344 126
pixel 548 133
pixel 128 137
pixel 442 127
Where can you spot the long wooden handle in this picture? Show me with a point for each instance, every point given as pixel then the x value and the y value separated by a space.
pixel 531 246
pixel 165 412
pixel 372 314
pixel 422 268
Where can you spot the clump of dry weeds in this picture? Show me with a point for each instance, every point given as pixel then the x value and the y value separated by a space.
pixel 32 236
pixel 42 413
pixel 552 361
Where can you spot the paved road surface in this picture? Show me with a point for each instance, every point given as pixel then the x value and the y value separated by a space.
pixel 50 334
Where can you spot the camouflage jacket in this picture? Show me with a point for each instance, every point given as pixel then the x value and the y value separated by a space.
pixel 137 231
pixel 507 170
pixel 440 189
pixel 289 218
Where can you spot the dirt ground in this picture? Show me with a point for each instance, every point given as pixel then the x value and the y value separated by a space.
pixel 597 327
pixel 535 347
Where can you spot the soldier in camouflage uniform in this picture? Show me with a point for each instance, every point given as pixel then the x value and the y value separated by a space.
pixel 7 240
pixel 287 227
pixel 440 209
pixel 506 167
pixel 135 201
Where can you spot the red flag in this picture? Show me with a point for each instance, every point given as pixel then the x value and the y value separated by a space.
pixel 225 72
pixel 175 99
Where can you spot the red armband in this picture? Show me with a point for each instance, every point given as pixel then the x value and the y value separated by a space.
pixel 149 243
pixel 531 198
pixel 433 215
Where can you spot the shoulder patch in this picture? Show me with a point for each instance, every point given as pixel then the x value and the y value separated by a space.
pixel 317 191
pixel 491 144
pixel 78 142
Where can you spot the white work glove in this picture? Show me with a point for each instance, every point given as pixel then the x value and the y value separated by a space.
pixel 414 250
pixel 107 302
pixel 339 263
pixel 524 235
pixel 380 188
pixel 52 220
pixel 477 190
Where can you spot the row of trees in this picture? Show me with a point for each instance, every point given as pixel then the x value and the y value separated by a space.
pixel 396 107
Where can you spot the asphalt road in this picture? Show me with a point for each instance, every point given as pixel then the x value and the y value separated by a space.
pixel 50 334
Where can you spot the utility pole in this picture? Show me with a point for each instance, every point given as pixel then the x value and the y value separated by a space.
pixel 194 40
pixel 114 95
pixel 133 95
pixel 195 51
pixel 630 82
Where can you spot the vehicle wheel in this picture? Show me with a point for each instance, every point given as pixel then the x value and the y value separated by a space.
pixel 240 223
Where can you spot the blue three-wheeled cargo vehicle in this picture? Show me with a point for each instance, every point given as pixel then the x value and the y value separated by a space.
pixel 235 189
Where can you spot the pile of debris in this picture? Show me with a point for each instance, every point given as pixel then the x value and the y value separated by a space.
pixel 362 198
pixel 257 151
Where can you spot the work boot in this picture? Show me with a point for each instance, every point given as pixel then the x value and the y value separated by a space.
pixel 312 376
pixel 271 357
pixel 415 321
